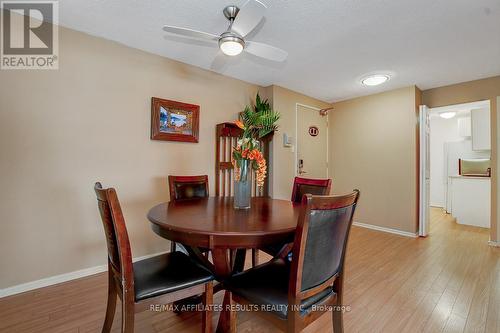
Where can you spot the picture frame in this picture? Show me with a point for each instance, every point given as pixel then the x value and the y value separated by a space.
pixel 174 121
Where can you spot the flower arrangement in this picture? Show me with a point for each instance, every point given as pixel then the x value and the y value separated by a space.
pixel 251 153
pixel 256 122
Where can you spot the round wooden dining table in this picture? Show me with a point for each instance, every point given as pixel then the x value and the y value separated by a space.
pixel 213 223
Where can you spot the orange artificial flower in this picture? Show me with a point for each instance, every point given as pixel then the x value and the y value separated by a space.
pixel 255 155
pixel 261 172
pixel 240 124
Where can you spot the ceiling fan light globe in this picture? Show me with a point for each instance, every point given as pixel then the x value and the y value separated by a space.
pixel 231 45
pixel 231 48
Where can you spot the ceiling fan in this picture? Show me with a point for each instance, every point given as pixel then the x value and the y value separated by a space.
pixel 232 42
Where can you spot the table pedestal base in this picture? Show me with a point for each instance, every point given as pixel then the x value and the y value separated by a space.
pixel 225 265
pixel 227 319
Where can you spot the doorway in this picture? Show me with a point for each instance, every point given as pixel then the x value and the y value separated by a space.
pixel 311 154
pixel 455 168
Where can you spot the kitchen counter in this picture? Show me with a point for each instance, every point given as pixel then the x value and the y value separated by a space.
pixel 470 177
pixel 470 200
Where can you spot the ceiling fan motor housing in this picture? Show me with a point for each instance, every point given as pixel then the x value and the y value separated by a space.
pixel 230 12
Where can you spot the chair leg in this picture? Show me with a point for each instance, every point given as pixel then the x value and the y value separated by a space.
pixel 338 322
pixel 232 314
pixel 337 315
pixel 128 313
pixel 292 325
pixel 208 301
pixel 111 304
pixel 285 250
pixel 255 257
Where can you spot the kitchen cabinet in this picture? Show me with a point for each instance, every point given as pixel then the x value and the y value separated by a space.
pixel 464 127
pixel 480 129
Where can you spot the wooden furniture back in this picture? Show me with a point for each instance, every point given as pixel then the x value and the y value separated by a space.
pixel 188 187
pixel 227 135
pixel 315 269
pixel 119 252
pixel 303 186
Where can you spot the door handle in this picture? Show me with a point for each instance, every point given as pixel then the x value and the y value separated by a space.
pixel 301 165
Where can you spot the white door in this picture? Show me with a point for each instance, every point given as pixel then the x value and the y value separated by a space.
pixel 312 143
pixel 424 176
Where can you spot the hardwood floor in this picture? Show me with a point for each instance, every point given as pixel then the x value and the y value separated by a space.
pixel 448 282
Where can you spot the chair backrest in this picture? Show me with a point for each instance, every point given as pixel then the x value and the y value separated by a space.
pixel 188 187
pixel 303 186
pixel 119 252
pixel 321 239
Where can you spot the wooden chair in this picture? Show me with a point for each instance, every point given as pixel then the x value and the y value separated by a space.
pixel 301 186
pixel 300 291
pixel 161 279
pixel 312 186
pixel 187 188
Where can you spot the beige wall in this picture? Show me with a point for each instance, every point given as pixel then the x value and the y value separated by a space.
pixel 60 131
pixel 285 101
pixel 485 89
pixel 373 148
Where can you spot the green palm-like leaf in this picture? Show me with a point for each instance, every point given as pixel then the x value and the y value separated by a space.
pixel 261 120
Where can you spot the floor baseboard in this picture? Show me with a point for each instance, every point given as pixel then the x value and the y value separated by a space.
pixel 49 281
pixel 383 229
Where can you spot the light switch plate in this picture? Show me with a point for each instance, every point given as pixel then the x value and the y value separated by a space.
pixel 287 140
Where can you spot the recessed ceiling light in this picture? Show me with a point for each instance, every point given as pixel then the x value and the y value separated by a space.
pixel 375 79
pixel 447 115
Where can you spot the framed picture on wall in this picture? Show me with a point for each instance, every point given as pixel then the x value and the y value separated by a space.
pixel 174 121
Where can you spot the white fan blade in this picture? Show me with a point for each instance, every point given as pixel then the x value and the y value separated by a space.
pixel 248 17
pixel 220 62
pixel 266 51
pixel 190 33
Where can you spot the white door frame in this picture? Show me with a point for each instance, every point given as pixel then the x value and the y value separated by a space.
pixel 422 151
pixel 424 177
pixel 297 138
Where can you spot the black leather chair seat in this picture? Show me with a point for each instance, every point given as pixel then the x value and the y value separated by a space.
pixel 182 248
pixel 267 285
pixel 167 273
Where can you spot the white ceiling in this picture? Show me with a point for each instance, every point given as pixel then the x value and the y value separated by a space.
pixel 331 43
